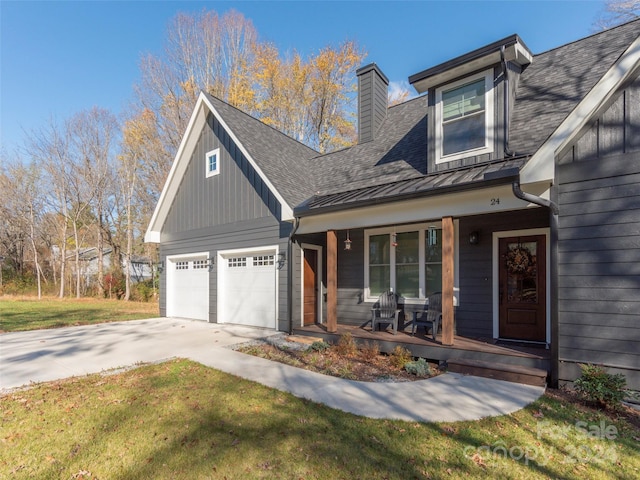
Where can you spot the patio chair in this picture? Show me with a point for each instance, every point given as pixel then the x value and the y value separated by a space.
pixel 431 317
pixel 386 311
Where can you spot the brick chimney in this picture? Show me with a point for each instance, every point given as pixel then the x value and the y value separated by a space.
pixel 372 101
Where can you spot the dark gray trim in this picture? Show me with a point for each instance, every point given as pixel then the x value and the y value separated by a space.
pixel 467 57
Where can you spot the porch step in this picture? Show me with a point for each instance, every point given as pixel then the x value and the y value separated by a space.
pixel 307 340
pixel 499 371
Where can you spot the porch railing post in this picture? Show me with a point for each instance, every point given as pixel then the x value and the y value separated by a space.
pixel 447 280
pixel 332 281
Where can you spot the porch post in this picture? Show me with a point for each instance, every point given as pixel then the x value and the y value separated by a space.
pixel 447 280
pixel 332 281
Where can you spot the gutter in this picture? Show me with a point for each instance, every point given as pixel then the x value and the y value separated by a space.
pixel 528 197
pixel 290 274
pixel 506 103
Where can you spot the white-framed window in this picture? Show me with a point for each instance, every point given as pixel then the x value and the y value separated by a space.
pixel 464 118
pixel 263 260
pixel 200 264
pixel 182 265
pixel 237 262
pixel 407 260
pixel 212 162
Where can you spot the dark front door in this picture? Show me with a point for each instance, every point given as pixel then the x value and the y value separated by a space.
pixel 522 291
pixel 310 290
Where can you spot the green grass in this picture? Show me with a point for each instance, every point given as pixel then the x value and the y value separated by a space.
pixel 27 313
pixel 181 420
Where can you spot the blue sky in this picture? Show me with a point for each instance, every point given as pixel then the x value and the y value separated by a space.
pixel 60 57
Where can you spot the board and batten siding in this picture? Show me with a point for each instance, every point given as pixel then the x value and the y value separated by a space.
pixel 599 243
pixel 232 210
pixel 236 194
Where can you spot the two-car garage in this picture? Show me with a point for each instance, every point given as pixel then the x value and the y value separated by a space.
pixel 245 290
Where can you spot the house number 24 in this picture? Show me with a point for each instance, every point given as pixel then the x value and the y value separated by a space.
pixel 495 201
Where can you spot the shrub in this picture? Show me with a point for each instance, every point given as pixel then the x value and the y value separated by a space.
pixel 319 346
pixel 598 386
pixel 400 356
pixel 370 350
pixel 347 345
pixel 419 368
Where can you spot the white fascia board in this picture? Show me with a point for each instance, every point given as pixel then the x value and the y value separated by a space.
pixel 541 166
pixel 287 210
pixel 473 202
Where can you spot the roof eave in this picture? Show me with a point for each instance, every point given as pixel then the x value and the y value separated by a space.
pixel 500 177
pixel 515 51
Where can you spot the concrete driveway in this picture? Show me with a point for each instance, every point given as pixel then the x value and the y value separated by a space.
pixel 45 355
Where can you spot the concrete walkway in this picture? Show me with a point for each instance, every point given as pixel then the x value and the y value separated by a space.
pixel 45 355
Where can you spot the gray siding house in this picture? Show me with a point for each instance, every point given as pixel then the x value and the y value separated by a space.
pixel 512 187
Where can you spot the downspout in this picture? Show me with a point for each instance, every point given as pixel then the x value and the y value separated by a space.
pixel 290 274
pixel 506 103
pixel 553 274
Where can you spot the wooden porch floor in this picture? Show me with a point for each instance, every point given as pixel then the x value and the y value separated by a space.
pixel 422 345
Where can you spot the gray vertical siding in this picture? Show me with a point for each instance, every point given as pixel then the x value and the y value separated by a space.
pixel 372 102
pixel 599 243
pixel 236 194
pixel 232 210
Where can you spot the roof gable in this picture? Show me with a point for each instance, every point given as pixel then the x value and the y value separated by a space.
pixel 277 159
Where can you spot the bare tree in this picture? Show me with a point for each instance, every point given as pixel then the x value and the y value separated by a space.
pixel 617 12
pixel 50 149
pixel 94 137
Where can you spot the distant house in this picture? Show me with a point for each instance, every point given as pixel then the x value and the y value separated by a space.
pixel 512 187
pixel 141 267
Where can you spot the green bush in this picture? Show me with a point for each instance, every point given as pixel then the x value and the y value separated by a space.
pixel 598 386
pixel 419 368
pixel 319 346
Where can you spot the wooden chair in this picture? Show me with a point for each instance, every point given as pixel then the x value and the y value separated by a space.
pixel 431 317
pixel 386 311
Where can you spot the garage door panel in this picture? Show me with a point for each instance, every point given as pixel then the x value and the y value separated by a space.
pixel 249 290
pixel 188 288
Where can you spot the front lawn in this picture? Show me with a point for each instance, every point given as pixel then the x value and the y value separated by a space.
pixel 28 313
pixel 182 420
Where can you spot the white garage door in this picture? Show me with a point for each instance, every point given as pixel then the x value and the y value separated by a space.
pixel 247 293
pixel 188 287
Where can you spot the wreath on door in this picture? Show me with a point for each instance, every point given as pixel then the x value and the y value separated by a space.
pixel 518 259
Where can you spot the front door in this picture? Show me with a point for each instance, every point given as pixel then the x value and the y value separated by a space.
pixel 522 288
pixel 310 290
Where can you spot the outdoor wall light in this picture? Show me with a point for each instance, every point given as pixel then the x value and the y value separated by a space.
pixel 282 257
pixel 211 264
pixel 160 266
pixel 474 238
pixel 347 242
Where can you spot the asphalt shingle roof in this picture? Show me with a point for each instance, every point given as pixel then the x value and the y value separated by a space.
pixel 395 163
pixel 283 160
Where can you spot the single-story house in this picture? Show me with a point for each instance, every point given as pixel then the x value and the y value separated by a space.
pixel 512 186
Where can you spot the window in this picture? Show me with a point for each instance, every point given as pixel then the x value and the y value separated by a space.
pixel 263 260
pixel 407 260
pixel 199 264
pixel 182 265
pixel 237 262
pixel 464 118
pixel 212 162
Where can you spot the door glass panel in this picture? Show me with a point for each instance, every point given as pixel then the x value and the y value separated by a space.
pixel 522 272
pixel 408 264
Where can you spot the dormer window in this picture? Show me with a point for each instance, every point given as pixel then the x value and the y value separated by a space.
pixel 464 118
pixel 212 163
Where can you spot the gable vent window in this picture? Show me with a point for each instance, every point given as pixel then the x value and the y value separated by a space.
pixel 212 163
pixel 464 116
